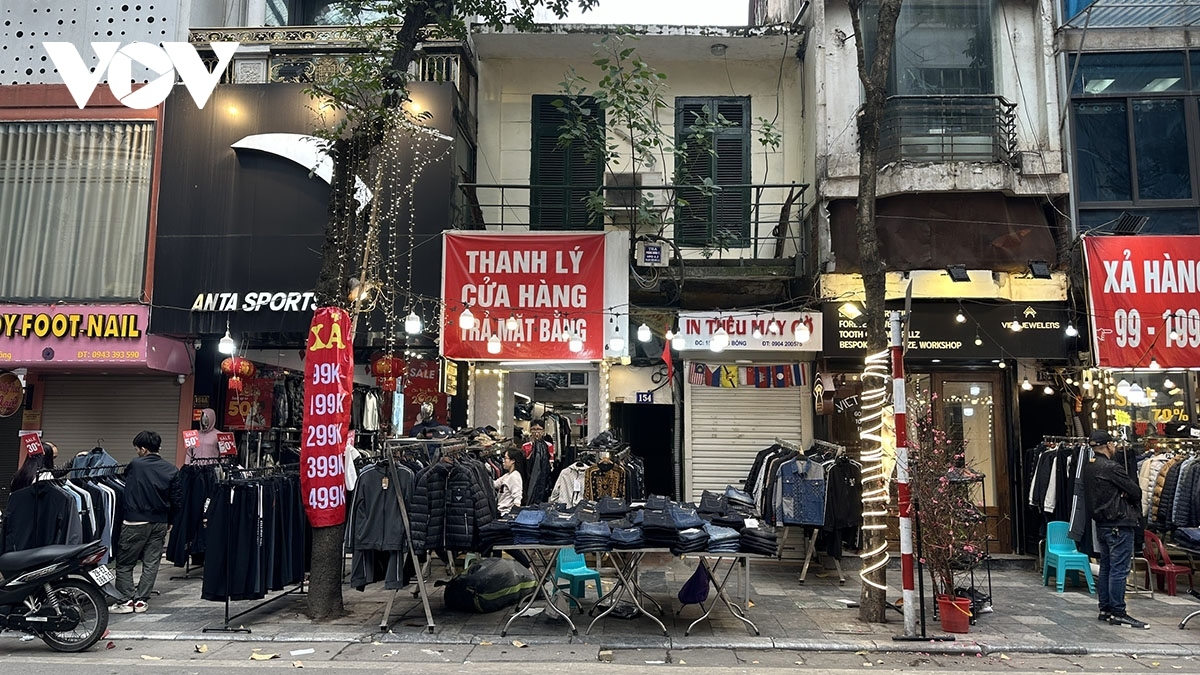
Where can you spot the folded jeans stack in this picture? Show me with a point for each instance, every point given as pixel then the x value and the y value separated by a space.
pixel 496 533
pixel 759 539
pixel 558 529
pixel 526 528
pixel 628 538
pixel 611 508
pixel 722 539
pixel 593 537
pixel 659 529
pixel 691 540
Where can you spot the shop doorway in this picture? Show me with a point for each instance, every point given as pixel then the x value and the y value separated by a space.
pixel 650 431
pixel 969 406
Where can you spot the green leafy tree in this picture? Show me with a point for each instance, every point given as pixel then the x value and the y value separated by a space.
pixel 368 99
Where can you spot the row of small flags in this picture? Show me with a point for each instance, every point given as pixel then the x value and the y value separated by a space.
pixel 761 377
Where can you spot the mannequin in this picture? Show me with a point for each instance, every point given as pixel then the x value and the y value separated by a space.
pixel 426 422
pixel 207 448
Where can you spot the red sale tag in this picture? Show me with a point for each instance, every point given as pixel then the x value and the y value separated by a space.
pixel 225 443
pixel 32 443
pixel 191 439
pixel 328 382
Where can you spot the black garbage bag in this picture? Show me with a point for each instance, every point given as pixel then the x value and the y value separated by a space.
pixel 489 585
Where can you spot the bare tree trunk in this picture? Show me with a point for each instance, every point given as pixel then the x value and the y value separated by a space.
pixel 873 77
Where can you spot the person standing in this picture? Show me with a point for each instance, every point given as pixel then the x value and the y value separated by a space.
pixel 1113 500
pixel 510 488
pixel 152 495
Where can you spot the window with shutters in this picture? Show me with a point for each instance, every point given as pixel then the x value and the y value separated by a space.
pixel 713 202
pixel 562 178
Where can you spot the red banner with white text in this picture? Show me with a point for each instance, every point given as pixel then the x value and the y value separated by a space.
pixel 1144 301
pixel 328 384
pixel 532 292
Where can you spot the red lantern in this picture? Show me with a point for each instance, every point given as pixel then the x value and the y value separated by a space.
pixel 236 368
pixel 387 365
pixel 387 384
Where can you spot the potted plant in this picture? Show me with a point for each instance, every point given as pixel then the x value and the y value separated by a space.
pixel 952 526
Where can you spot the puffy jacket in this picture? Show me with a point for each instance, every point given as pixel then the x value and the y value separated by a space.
pixel 1112 497
pixel 469 505
pixel 1182 515
pixel 1166 500
pixel 429 508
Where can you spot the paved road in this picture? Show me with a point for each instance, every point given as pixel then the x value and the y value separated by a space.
pixel 219 658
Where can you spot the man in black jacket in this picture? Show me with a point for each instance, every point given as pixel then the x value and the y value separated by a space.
pixel 152 494
pixel 1113 499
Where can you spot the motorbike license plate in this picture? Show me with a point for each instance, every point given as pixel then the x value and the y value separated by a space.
pixel 102 575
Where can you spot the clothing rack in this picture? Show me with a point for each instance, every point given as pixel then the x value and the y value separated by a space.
pixel 298 590
pixel 218 462
pixel 1064 439
pixel 838 449
pixel 391 447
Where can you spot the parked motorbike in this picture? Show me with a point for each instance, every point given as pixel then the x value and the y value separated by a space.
pixel 53 592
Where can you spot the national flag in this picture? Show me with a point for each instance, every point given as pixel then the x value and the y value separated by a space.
pixel 698 374
pixel 666 357
pixel 782 376
pixel 725 376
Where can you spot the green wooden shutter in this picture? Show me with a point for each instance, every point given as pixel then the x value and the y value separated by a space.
pixel 722 218
pixel 562 177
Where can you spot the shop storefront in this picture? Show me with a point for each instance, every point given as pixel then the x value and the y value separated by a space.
pixel 1145 336
pixel 748 385
pixel 94 376
pixel 534 317
pixel 967 363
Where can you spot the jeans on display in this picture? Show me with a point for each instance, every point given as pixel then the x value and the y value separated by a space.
pixel 1116 555
pixel 139 543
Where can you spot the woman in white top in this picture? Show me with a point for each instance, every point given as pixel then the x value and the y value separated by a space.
pixel 511 486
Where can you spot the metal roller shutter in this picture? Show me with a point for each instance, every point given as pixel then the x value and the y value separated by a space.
pixel 81 411
pixel 726 428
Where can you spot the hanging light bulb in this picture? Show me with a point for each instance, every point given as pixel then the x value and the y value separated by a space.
pixel 644 333
pixel 1154 364
pixel 466 320
pixel 1136 393
pixel 720 339
pixel 802 332
pixel 960 317
pixel 1069 381
pixel 1015 326
pixel 493 344
pixel 677 342
pixel 616 343
pixel 1087 384
pixel 227 345
pixel 975 390
pixel 1168 384
pixel 773 327
pixel 512 323
pixel 1003 365
pixel 575 343
pixel 1027 385
pixel 757 334
pixel 412 323
pixel 1123 388
pixel 1072 331
pixel 1049 391
pixel 968 411
pixel 978 340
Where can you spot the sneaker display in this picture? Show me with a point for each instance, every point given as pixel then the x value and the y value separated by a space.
pixel 140 606
pixel 121 608
pixel 1126 620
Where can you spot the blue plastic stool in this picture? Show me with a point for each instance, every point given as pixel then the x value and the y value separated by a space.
pixel 572 567
pixel 1062 555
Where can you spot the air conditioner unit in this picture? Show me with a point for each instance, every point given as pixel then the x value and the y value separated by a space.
pixel 625 190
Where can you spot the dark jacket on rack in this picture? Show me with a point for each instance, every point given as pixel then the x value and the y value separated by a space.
pixel 467 506
pixel 41 515
pixel 153 491
pixel 1112 496
pixel 538 486
pixel 429 508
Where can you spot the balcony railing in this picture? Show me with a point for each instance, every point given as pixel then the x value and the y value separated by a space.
pixel 948 129
pixel 734 221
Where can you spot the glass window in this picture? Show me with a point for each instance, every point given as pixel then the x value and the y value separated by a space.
pixel 943 48
pixel 1127 73
pixel 1153 403
pixel 1160 144
pixel 277 13
pixel 1102 151
pixel 75 203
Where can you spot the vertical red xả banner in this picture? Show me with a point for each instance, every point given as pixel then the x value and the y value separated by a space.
pixel 328 384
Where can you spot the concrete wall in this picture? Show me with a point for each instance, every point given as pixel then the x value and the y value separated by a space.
pixel 506 87
pixel 1023 43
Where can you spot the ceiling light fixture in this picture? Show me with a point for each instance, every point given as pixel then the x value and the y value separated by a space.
pixel 960 317
pixel 1027 385
pixel 644 334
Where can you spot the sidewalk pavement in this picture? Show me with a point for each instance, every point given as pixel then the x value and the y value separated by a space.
pixel 813 616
